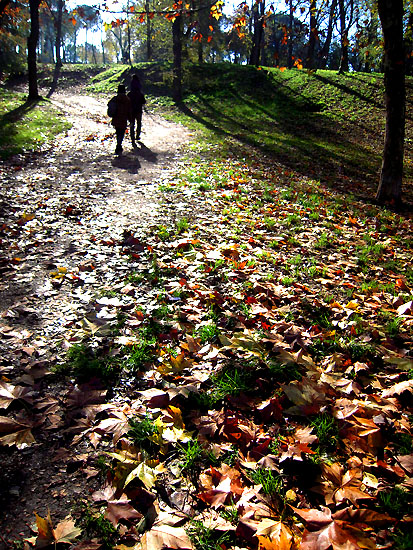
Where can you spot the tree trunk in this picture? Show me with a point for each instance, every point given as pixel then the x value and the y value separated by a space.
pixel 258 18
pixel 177 52
pixel 31 48
pixel 148 33
pixel 313 35
pixel 58 41
pixel 409 45
pixel 344 39
pixel 390 186
pixel 86 46
pixel 323 55
pixel 290 34
pixel 75 47
pixel 129 38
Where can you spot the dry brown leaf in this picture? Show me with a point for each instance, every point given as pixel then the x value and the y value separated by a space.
pixel 65 532
pixel 165 536
pixel 118 510
pixel 10 393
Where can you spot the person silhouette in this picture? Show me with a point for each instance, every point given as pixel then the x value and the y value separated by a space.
pixel 121 117
pixel 137 101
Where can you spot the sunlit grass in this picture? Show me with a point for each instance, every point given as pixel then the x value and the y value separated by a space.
pixel 26 126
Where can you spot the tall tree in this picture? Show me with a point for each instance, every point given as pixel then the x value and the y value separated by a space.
pixel 177 52
pixel 31 49
pixel 346 21
pixel 313 37
pixel 390 186
pixel 258 14
pixel 58 43
pixel 324 51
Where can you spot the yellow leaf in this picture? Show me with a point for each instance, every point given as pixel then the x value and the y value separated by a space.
pixel 44 529
pixel 143 472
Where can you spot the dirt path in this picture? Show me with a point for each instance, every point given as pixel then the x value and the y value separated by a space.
pixel 79 193
pixel 64 216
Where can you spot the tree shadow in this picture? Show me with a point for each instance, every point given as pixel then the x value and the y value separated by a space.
pixel 307 143
pixel 19 112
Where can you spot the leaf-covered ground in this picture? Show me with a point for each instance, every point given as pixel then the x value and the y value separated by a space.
pixel 232 370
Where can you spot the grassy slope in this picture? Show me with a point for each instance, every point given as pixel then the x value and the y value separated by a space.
pixel 326 126
pixel 26 126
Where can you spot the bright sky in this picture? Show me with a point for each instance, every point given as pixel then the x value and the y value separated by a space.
pixel 116 5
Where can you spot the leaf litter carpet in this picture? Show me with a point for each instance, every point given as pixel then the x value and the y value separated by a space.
pixel 63 215
pixel 239 419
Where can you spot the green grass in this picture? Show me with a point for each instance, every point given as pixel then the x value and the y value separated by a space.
pixel 270 481
pixel 142 431
pixel 190 455
pixel 26 126
pixel 326 429
pixel 85 362
pixel 395 502
pixel 204 538
pixel 95 525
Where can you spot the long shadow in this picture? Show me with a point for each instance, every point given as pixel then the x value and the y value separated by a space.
pixel 127 161
pixel 349 90
pixel 309 143
pixel 19 112
pixel 146 153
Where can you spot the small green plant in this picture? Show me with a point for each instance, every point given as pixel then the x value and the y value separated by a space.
pixel 204 187
pixel 191 455
pixel 272 483
pixel 395 502
pixel 136 278
pixel 231 456
pixel 314 216
pixel 181 225
pixel 326 429
pixel 288 281
pixel 402 541
pixel 393 326
pixel 204 538
pixel 293 219
pixel 403 443
pixel 359 351
pixel 141 353
pixel 162 312
pixel 142 432
pixel 284 372
pixel 230 514
pixel 207 332
pixel 270 223
pixel 232 381
pixel 163 233
pixel 102 465
pixel 95 525
pixel 322 242
pixel 84 362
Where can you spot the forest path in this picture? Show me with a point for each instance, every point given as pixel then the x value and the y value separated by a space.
pixel 64 214
pixel 78 194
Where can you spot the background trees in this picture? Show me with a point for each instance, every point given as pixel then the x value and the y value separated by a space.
pixel 348 35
